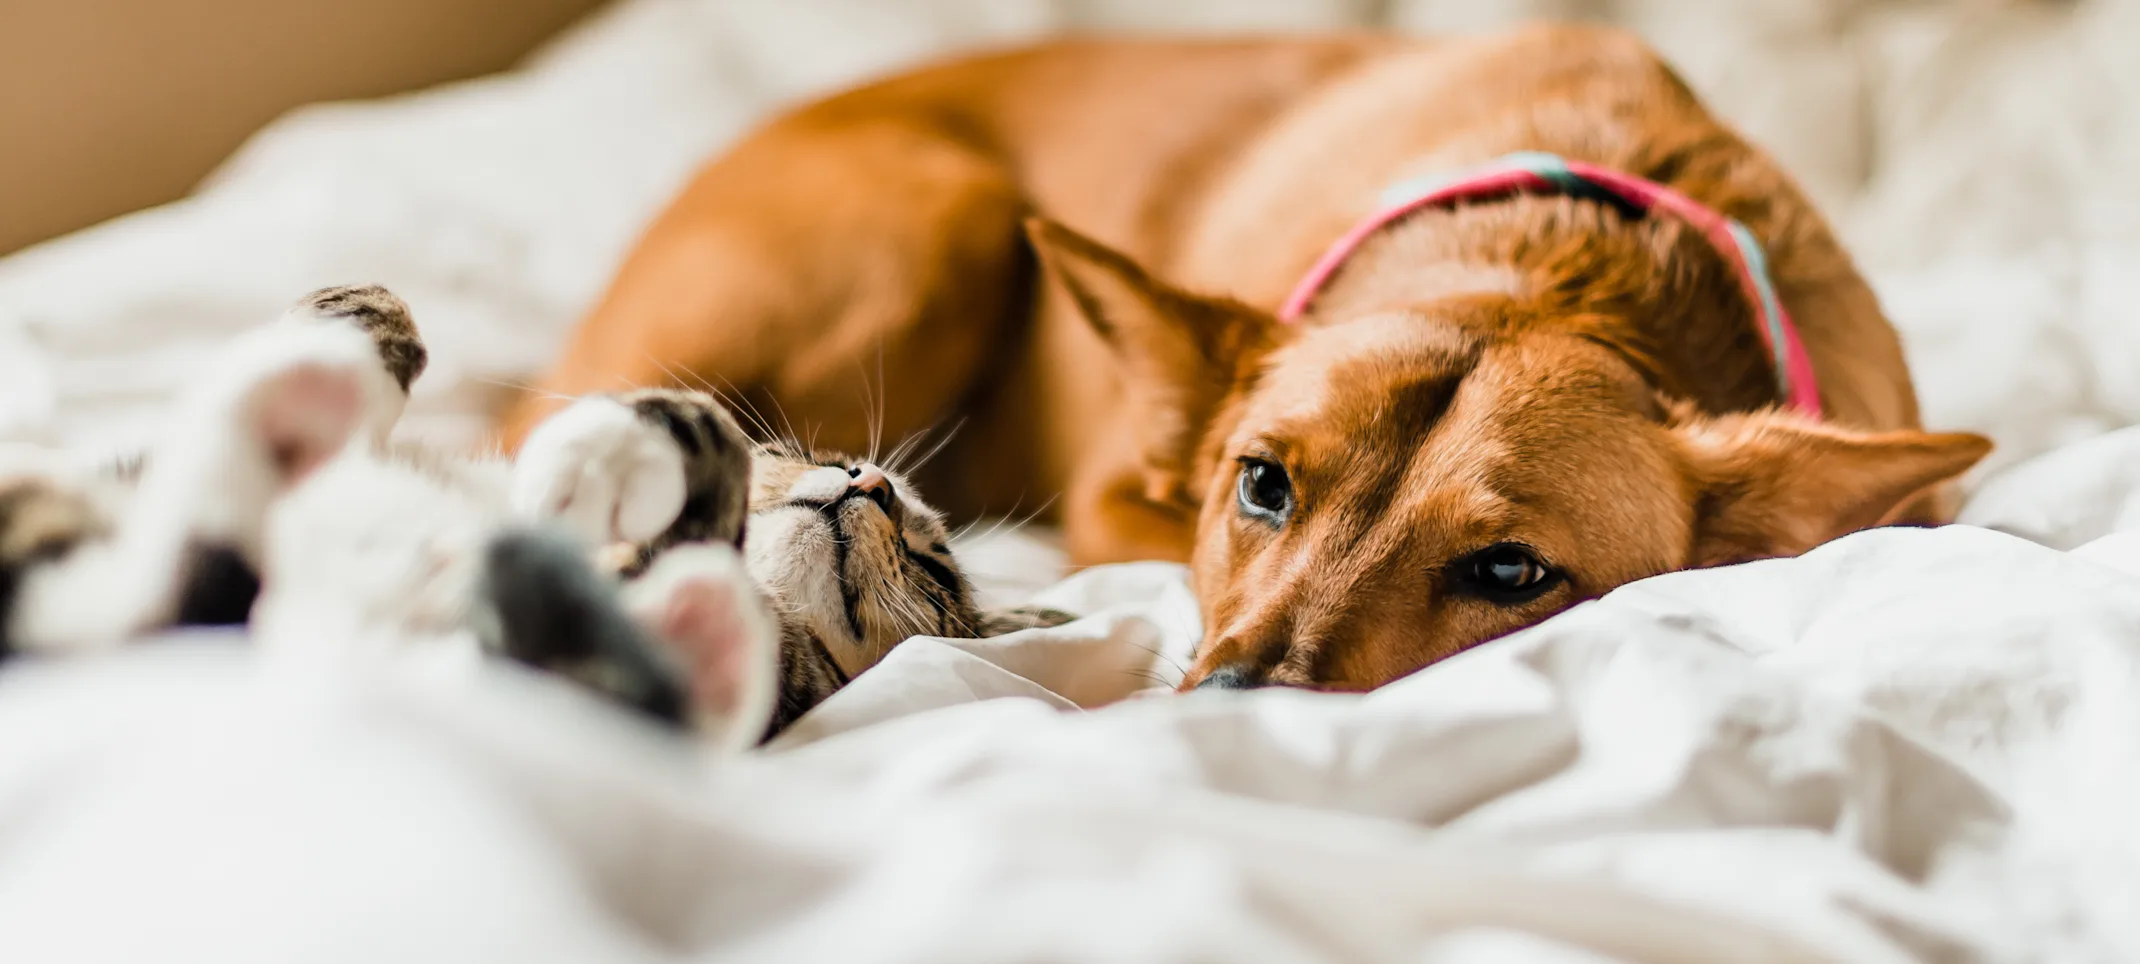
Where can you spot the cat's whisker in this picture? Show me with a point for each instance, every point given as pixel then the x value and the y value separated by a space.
pixel 933 450
pixel 782 411
pixel 962 532
pixel 693 381
pixel 916 620
pixel 949 435
pixel 734 399
pixel 1169 660
pixel 742 407
pixel 738 398
pixel 666 371
pixel 522 387
pixel 1148 676
pixel 738 403
pixel 965 533
pixel 791 434
pixel 874 403
pixel 893 462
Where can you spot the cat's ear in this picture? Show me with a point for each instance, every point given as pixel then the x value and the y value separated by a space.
pixel 704 607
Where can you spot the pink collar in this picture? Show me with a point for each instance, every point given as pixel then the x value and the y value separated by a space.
pixel 1531 171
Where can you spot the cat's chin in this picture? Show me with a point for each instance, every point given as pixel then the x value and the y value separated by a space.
pixel 804 556
pixel 794 554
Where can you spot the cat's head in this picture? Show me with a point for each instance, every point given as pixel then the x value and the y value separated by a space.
pixel 852 553
pixel 847 555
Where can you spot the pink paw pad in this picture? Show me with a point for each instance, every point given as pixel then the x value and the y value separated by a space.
pixel 704 621
pixel 305 415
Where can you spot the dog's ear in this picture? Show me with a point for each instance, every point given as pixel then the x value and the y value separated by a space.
pixel 1776 484
pixel 1181 354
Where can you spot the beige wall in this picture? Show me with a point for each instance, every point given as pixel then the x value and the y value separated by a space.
pixel 111 105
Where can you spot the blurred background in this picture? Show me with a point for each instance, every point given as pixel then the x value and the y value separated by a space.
pixel 111 105
pixel 1966 150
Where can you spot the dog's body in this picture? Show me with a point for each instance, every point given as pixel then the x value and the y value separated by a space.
pixel 1536 372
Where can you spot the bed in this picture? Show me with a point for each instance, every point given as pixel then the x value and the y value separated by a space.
pixel 1907 745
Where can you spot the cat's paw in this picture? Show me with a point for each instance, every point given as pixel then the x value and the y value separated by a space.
pixel 690 642
pixel 304 414
pixel 537 602
pixel 700 603
pixel 398 352
pixel 601 471
pixel 289 399
pixel 273 408
pixel 277 403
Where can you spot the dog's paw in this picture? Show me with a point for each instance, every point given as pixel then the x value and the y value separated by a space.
pixel 701 604
pixel 601 471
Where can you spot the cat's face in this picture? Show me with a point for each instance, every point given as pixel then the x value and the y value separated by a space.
pixel 847 554
pixel 852 551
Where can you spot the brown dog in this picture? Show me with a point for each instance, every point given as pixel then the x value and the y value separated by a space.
pixel 1492 411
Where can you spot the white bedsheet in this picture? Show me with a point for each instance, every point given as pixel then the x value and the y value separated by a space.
pixel 1907 745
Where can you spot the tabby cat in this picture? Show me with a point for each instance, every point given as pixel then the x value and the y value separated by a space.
pixel 641 544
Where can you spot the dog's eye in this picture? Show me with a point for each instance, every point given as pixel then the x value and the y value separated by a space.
pixel 1264 490
pixel 1507 573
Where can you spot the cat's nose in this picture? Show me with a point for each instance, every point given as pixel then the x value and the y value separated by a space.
pixel 871 481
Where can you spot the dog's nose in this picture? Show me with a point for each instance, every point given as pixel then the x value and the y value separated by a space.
pixel 872 483
pixel 1232 676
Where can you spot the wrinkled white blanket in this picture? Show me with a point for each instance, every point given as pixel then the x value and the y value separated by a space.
pixel 1907 745
pixel 1904 745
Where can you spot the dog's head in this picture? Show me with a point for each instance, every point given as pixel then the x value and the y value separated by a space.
pixel 1382 489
